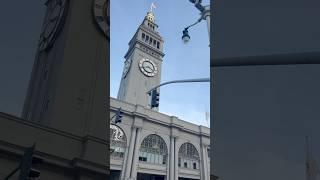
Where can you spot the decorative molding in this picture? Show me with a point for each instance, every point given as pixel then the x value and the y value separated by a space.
pixel 101 12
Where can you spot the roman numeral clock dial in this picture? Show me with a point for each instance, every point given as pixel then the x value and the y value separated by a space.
pixel 101 14
pixel 127 65
pixel 148 67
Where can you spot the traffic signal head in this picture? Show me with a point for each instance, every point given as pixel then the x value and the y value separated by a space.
pixel 119 115
pixel 155 97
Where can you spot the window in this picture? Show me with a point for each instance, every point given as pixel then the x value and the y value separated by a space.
pixel 118 142
pixel 154 42
pixel 164 160
pixel 150 41
pixel 189 155
pixel 143 35
pixel 142 159
pixel 153 150
pixel 158 45
pixel 147 38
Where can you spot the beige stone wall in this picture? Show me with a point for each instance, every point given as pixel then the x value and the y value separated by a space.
pixel 167 127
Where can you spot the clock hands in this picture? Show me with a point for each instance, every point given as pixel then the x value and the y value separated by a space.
pixel 147 66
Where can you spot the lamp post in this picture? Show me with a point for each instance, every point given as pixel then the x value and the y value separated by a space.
pixel 205 15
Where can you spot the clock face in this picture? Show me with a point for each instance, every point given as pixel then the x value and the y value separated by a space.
pixel 101 12
pixel 127 65
pixel 54 20
pixel 148 67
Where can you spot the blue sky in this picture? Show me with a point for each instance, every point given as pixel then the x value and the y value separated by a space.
pixel 187 101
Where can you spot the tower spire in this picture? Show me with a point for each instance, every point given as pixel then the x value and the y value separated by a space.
pixel 150 14
pixel 152 7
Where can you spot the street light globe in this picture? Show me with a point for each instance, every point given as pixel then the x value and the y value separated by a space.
pixel 185 39
pixel 195 1
pixel 185 36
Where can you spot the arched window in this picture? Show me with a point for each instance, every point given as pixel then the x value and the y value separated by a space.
pixel 118 142
pixel 153 150
pixel 188 156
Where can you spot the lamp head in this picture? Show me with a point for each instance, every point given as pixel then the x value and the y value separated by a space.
pixel 195 1
pixel 185 36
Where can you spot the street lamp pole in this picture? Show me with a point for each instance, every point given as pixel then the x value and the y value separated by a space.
pixel 180 81
pixel 205 15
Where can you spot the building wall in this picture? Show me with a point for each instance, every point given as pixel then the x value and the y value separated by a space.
pixel 140 122
pixel 64 154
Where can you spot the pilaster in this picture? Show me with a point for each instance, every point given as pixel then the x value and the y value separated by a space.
pixel 130 153
pixel 172 144
pixel 204 162
pixel 136 155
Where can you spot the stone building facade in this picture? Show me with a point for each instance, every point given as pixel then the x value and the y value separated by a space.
pixel 157 146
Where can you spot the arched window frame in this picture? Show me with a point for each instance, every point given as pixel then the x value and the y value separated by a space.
pixel 153 150
pixel 188 156
pixel 118 142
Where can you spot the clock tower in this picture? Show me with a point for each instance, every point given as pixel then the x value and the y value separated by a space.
pixel 68 86
pixel 142 66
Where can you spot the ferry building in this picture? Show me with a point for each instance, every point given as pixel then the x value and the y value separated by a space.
pixel 149 145
pixel 65 113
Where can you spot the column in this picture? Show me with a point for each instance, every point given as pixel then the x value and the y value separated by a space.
pixel 124 165
pixel 130 153
pixel 205 162
pixel 171 157
pixel 201 163
pixel 136 155
pixel 208 165
pixel 176 168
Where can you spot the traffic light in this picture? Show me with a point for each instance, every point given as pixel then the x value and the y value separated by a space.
pixel 28 162
pixel 155 97
pixel 119 115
